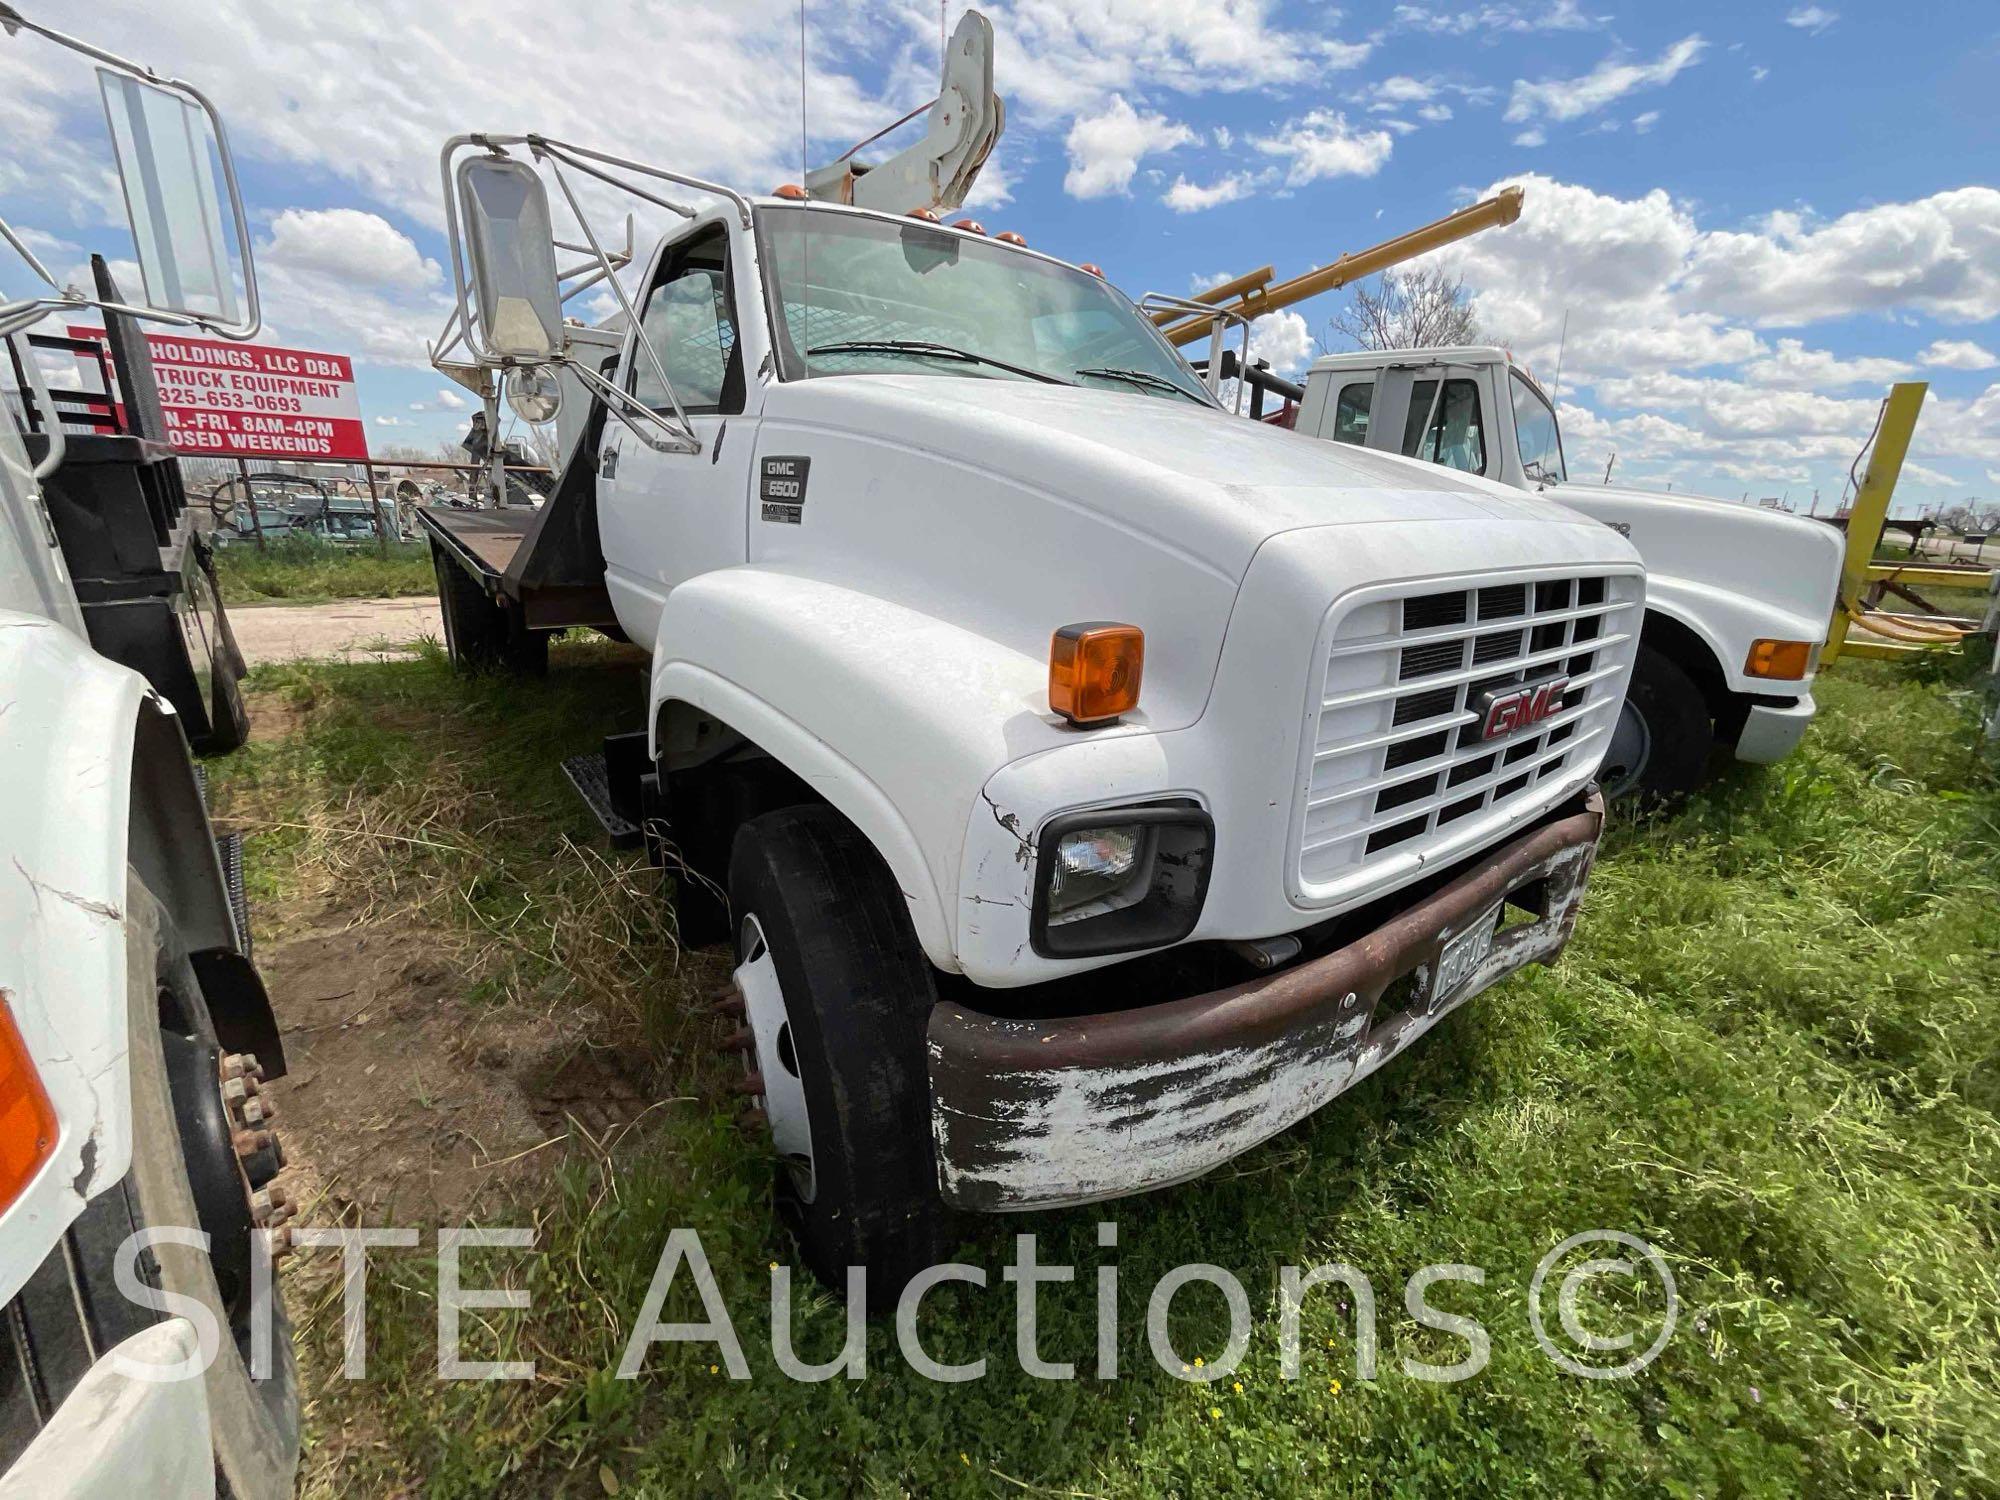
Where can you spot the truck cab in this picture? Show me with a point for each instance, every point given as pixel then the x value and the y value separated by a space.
pixel 1738 600
pixel 1090 783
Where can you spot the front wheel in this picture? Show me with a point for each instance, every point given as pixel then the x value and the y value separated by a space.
pixel 187 1174
pixel 836 995
pixel 1662 741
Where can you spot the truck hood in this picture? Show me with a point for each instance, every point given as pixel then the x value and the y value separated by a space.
pixel 1215 485
pixel 1780 562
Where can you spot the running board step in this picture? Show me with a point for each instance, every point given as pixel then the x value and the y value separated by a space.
pixel 592 780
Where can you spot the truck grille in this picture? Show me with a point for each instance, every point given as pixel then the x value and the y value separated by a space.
pixel 1399 775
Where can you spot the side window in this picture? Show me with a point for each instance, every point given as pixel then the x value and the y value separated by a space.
pixel 1350 415
pixel 1535 430
pixel 688 320
pixel 1454 437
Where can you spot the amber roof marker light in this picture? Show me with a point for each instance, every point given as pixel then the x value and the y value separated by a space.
pixel 1094 671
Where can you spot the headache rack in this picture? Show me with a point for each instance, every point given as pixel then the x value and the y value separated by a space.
pixel 1398 776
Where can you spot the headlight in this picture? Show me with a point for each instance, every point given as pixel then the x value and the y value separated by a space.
pixel 1120 879
pixel 1094 865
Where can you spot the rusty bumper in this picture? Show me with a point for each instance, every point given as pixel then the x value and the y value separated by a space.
pixel 1040 1114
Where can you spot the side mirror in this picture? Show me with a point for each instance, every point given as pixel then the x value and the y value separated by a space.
pixel 510 241
pixel 166 160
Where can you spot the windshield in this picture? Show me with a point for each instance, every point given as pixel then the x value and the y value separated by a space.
pixel 1535 430
pixel 863 295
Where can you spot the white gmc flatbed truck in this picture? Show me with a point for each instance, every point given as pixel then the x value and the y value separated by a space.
pixel 1098 783
pixel 135 1032
pixel 1738 599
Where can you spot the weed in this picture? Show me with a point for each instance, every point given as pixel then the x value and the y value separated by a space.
pixel 312 570
pixel 1773 1051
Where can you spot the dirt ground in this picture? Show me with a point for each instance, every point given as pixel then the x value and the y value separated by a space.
pixel 350 630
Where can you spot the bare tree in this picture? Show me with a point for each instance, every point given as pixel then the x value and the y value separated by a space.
pixel 1426 308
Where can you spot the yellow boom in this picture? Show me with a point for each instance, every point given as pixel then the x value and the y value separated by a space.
pixel 1252 295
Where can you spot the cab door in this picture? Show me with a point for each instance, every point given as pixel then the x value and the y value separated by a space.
pixel 1436 412
pixel 668 517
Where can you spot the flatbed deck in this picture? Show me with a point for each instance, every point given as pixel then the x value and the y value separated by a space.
pixel 486 541
pixel 521 562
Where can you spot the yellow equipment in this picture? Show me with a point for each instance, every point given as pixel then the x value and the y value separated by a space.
pixel 1889 636
pixel 1252 295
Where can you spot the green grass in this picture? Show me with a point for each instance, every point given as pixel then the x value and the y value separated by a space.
pixel 1771 1051
pixel 310 570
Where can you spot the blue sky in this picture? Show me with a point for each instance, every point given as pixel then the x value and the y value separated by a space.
pixel 1754 216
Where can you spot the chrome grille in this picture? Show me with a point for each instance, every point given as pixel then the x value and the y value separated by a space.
pixel 1399 775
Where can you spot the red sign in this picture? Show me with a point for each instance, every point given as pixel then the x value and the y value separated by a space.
pixel 230 400
pixel 1509 709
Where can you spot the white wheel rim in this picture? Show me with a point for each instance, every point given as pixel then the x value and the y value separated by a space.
pixel 1630 749
pixel 776 1058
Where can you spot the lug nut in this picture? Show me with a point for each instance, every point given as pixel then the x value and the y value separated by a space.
pixel 740 1040
pixel 247 1143
pixel 280 1241
pixel 751 1083
pixel 257 1111
pixel 236 1090
pixel 233 1065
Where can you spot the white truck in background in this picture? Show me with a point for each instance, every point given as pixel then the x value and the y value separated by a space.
pixel 135 1032
pixel 1738 600
pixel 1098 783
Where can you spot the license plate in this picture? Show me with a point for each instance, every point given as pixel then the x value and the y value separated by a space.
pixel 1462 957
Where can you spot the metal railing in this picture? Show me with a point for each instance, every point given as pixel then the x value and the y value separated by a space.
pixel 229 486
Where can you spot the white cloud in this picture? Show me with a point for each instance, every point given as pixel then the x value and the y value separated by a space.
pixel 1320 144
pixel 349 245
pixel 1792 366
pixel 1663 361
pixel 1285 339
pixel 1641 124
pixel 1535 136
pixel 1938 255
pixel 1758 73
pixel 1958 354
pixel 1812 18
pixel 449 399
pixel 1562 99
pixel 350 281
pixel 1057 58
pixel 1105 148
pixel 1560 15
pixel 1436 114
pixel 1186 197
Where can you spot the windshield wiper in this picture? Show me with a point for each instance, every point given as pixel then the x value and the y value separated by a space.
pixel 934 351
pixel 1146 379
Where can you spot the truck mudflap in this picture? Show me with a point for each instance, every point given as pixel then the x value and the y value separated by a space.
pixel 1033 1114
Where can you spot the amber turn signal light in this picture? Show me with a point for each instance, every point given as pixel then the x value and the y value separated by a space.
pixel 1094 671
pixel 1786 660
pixel 27 1119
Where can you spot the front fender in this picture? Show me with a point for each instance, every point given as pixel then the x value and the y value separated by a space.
pixel 1727 622
pixel 896 717
pixel 67 724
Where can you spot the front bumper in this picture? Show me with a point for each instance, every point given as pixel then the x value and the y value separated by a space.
pixel 1041 1114
pixel 1772 730
pixel 117 1435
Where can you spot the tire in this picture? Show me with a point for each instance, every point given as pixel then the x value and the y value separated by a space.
pixel 253 1424
pixel 470 618
pixel 228 717
pixel 824 938
pixel 478 634
pixel 1661 745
